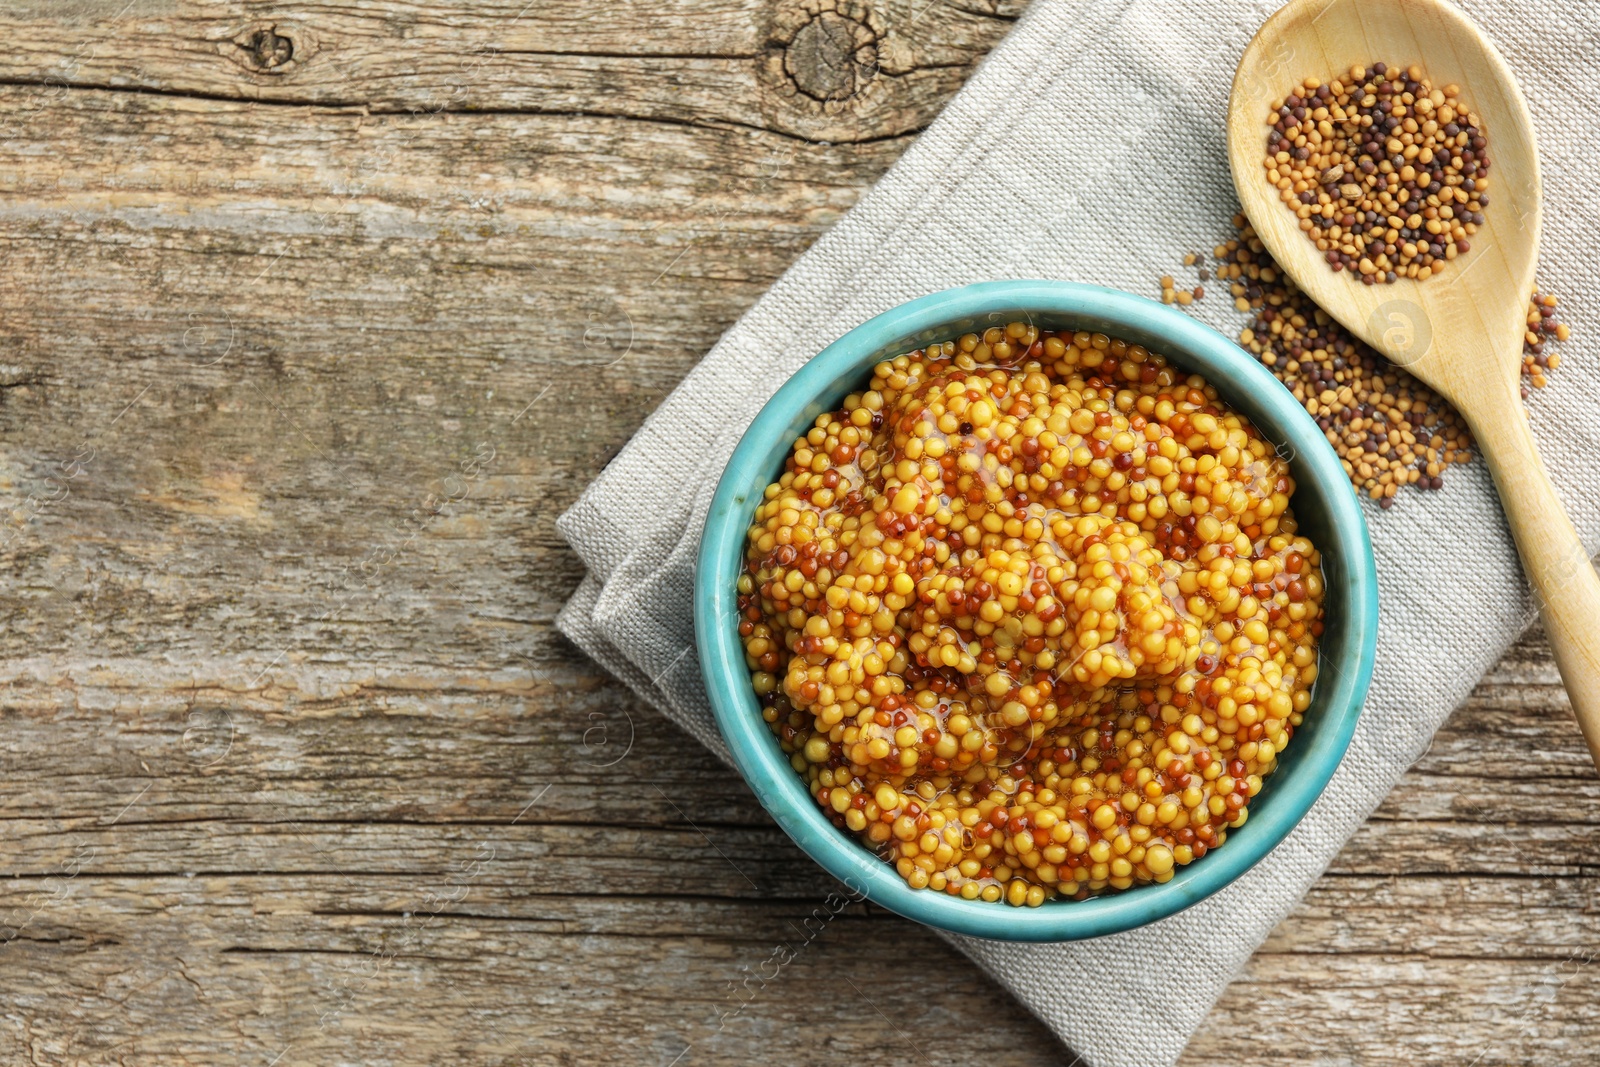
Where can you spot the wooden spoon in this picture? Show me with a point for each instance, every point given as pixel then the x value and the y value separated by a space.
pixel 1460 331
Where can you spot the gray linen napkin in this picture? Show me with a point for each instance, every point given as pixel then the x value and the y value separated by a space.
pixel 1090 147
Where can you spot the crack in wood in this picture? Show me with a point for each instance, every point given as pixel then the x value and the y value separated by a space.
pixel 336 106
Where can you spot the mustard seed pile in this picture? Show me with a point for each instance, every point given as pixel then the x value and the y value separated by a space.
pixel 1388 174
pixel 1030 615
pixel 1389 429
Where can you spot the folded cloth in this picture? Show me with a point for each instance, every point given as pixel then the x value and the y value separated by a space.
pixel 1090 146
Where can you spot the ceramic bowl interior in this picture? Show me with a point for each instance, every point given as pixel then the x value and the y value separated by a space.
pixel 1324 503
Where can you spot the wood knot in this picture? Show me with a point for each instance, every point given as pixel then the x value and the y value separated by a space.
pixel 828 51
pixel 263 49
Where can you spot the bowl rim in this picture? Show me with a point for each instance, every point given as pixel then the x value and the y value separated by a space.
pixel 1192 345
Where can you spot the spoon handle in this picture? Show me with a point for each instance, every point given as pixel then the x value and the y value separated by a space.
pixel 1565 585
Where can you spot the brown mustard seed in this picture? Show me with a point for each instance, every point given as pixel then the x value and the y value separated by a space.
pixel 1388 175
pixel 1030 615
pixel 1389 429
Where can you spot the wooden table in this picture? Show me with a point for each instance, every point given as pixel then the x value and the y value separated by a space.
pixel 312 319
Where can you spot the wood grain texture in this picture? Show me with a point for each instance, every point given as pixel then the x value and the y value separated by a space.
pixel 295 767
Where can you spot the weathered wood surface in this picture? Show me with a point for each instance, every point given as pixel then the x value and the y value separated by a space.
pixel 311 321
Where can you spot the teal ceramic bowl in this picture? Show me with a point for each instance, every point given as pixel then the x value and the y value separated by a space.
pixel 1324 503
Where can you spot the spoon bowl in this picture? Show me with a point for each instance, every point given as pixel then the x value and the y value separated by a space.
pixel 1455 327
pixel 1460 331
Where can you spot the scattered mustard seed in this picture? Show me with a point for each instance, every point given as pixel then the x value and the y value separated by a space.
pixel 1389 429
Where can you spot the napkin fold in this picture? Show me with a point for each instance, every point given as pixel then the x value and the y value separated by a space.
pixel 1090 147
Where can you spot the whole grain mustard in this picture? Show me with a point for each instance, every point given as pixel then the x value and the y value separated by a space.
pixel 1030 615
